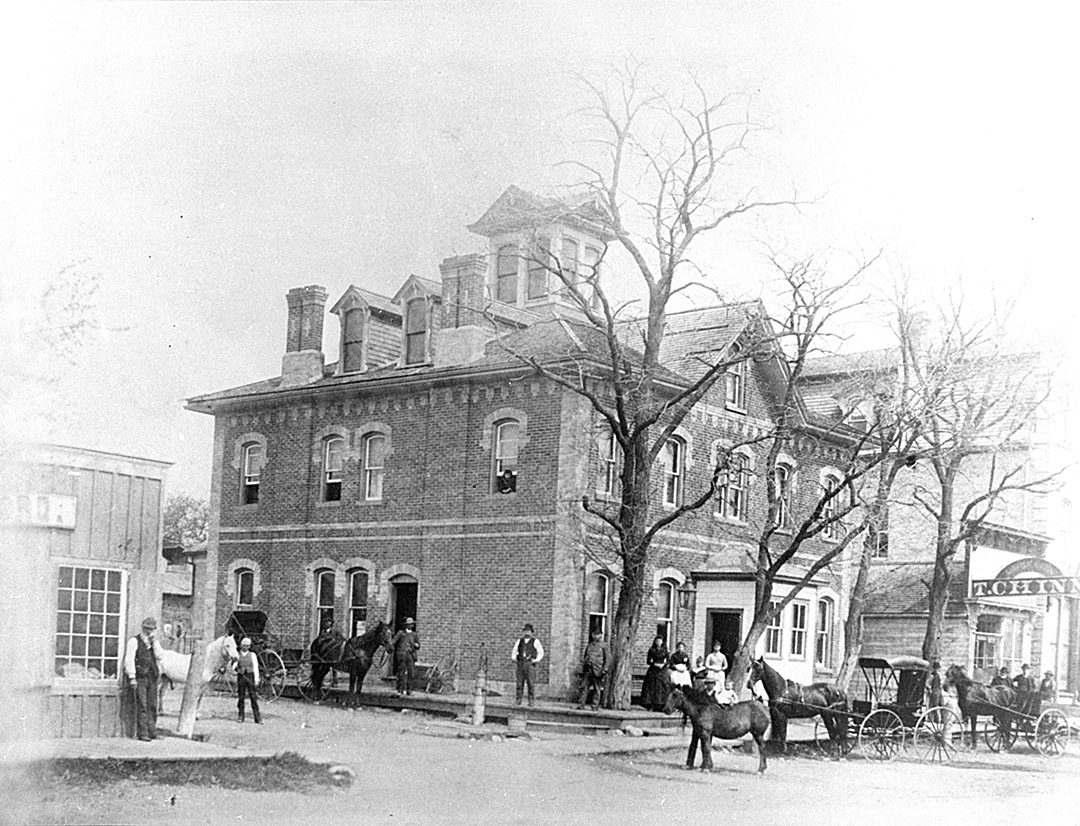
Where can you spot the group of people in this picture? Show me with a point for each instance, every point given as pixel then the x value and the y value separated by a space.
pixel 674 669
pixel 1028 694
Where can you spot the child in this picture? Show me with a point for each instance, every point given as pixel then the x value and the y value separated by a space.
pixel 727 696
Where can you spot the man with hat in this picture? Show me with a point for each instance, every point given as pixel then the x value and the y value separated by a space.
pixel 1048 688
pixel 247 681
pixel 405 644
pixel 526 654
pixel 142 665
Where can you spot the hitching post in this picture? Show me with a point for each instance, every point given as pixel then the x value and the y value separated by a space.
pixel 185 727
pixel 480 690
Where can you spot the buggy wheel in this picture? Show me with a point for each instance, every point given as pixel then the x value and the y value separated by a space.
pixel 223 681
pixel 1052 733
pixel 881 735
pixel 999 734
pixel 825 744
pixel 935 734
pixel 309 692
pixel 272 671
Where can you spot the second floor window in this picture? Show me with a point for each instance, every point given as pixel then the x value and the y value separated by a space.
pixel 731 499
pixel 506 274
pixel 831 507
pixel 736 386
pixel 610 466
pixel 333 466
pixel 507 440
pixel 416 331
pixel 674 459
pixel 374 464
pixel 782 475
pixel 245 588
pixel 253 462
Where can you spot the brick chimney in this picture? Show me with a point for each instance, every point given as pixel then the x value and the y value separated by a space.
pixel 464 330
pixel 303 359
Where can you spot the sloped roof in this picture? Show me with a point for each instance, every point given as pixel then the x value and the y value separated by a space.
pixel 518 209
pixel 903 588
pixel 837 366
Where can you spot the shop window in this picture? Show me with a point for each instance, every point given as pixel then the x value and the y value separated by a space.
pixel 89 627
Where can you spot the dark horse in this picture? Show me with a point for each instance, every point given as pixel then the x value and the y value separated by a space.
pixel 710 720
pixel 977 700
pixel 354 655
pixel 790 700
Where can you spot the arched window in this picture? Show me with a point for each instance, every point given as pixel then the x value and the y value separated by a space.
pixel 506 274
pixel 416 331
pixel 598 602
pixel 374 465
pixel 782 479
pixel 507 440
pixel 333 465
pixel 823 655
pixel 831 506
pixel 251 474
pixel 731 500
pixel 352 341
pixel 324 600
pixel 538 269
pixel 245 588
pixel 674 456
pixel 358 599
pixel 665 613
pixel 736 383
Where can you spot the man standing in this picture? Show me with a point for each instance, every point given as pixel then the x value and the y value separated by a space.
pixel 142 665
pixel 1024 685
pixel 247 681
pixel 593 669
pixel 526 654
pixel 405 643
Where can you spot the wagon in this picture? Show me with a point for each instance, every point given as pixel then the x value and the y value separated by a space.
pixel 1045 730
pixel 892 713
pixel 265 646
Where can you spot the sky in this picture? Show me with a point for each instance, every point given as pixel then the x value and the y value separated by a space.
pixel 193 162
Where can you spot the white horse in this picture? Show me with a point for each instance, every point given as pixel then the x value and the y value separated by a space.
pixel 220 654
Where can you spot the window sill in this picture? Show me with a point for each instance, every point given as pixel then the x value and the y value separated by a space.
pixel 247 505
pixel 729 520
pixel 776 657
pixel 731 408
pixel 336 504
pixel 371 502
pixel 105 687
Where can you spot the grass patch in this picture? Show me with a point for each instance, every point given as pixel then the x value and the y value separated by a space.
pixel 286 772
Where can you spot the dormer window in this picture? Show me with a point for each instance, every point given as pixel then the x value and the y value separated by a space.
pixel 506 274
pixel 416 331
pixel 538 270
pixel 352 341
pixel 569 262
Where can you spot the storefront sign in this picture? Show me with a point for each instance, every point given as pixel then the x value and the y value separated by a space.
pixel 48 510
pixel 1025 586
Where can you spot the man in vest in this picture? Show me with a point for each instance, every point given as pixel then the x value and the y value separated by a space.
pixel 142 665
pixel 405 644
pixel 247 681
pixel 526 654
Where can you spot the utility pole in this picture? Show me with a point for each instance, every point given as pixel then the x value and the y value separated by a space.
pixel 480 689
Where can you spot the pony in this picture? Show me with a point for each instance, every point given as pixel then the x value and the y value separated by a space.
pixel 790 700
pixel 710 720
pixel 976 699
pixel 355 655
pixel 220 654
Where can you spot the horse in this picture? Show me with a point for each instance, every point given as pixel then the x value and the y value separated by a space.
pixel 220 654
pixel 976 699
pixel 710 720
pixel 355 655
pixel 791 700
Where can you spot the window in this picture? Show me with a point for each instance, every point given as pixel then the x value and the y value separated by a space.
pixel 610 462
pixel 823 644
pixel 538 270
pixel 374 464
pixel 506 274
pixel 665 613
pixel 358 596
pixel 987 642
pixel 507 439
pixel 736 384
pixel 831 507
pixel 416 329
pixel 674 454
pixel 352 341
pixel 798 630
pixel 591 270
pixel 731 499
pixel 324 599
pixel 333 461
pixel 878 541
pixel 245 588
pixel 89 607
pixel 253 462
pixel 598 603
pixel 570 261
pixel 782 475
pixel 774 630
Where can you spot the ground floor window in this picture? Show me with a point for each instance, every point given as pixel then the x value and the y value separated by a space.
pixel 324 600
pixel 798 630
pixel 598 602
pixel 89 627
pixel 999 641
pixel 358 597
pixel 774 630
pixel 823 643
pixel 665 614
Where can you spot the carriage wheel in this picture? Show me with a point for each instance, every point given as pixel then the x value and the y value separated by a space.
pixel 272 671
pixel 823 742
pixel 935 735
pixel 309 692
pixel 881 735
pixel 1052 733
pixel 223 681
pixel 1000 734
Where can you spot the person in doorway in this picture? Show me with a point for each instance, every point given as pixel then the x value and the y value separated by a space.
pixel 654 688
pixel 1048 688
pixel 247 681
pixel 717 664
pixel 1024 685
pixel 405 644
pixel 142 665
pixel 527 652
pixel 593 669
pixel 1001 678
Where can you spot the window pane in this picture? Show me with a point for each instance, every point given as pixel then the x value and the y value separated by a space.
pixel 334 451
pixel 416 316
pixel 97 580
pixel 506 275
pixel 596 594
pixel 354 325
pixel 538 270
pixel 663 601
pixel 66 577
pixel 359 589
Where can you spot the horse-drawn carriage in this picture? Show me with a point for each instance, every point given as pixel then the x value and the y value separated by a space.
pixel 265 646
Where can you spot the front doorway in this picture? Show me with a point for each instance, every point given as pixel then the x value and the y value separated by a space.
pixel 723 625
pixel 403 596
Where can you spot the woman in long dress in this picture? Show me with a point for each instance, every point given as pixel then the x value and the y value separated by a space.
pixel 654 689
pixel 680 666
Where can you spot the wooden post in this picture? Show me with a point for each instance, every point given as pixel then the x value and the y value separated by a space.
pixel 480 690
pixel 192 689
